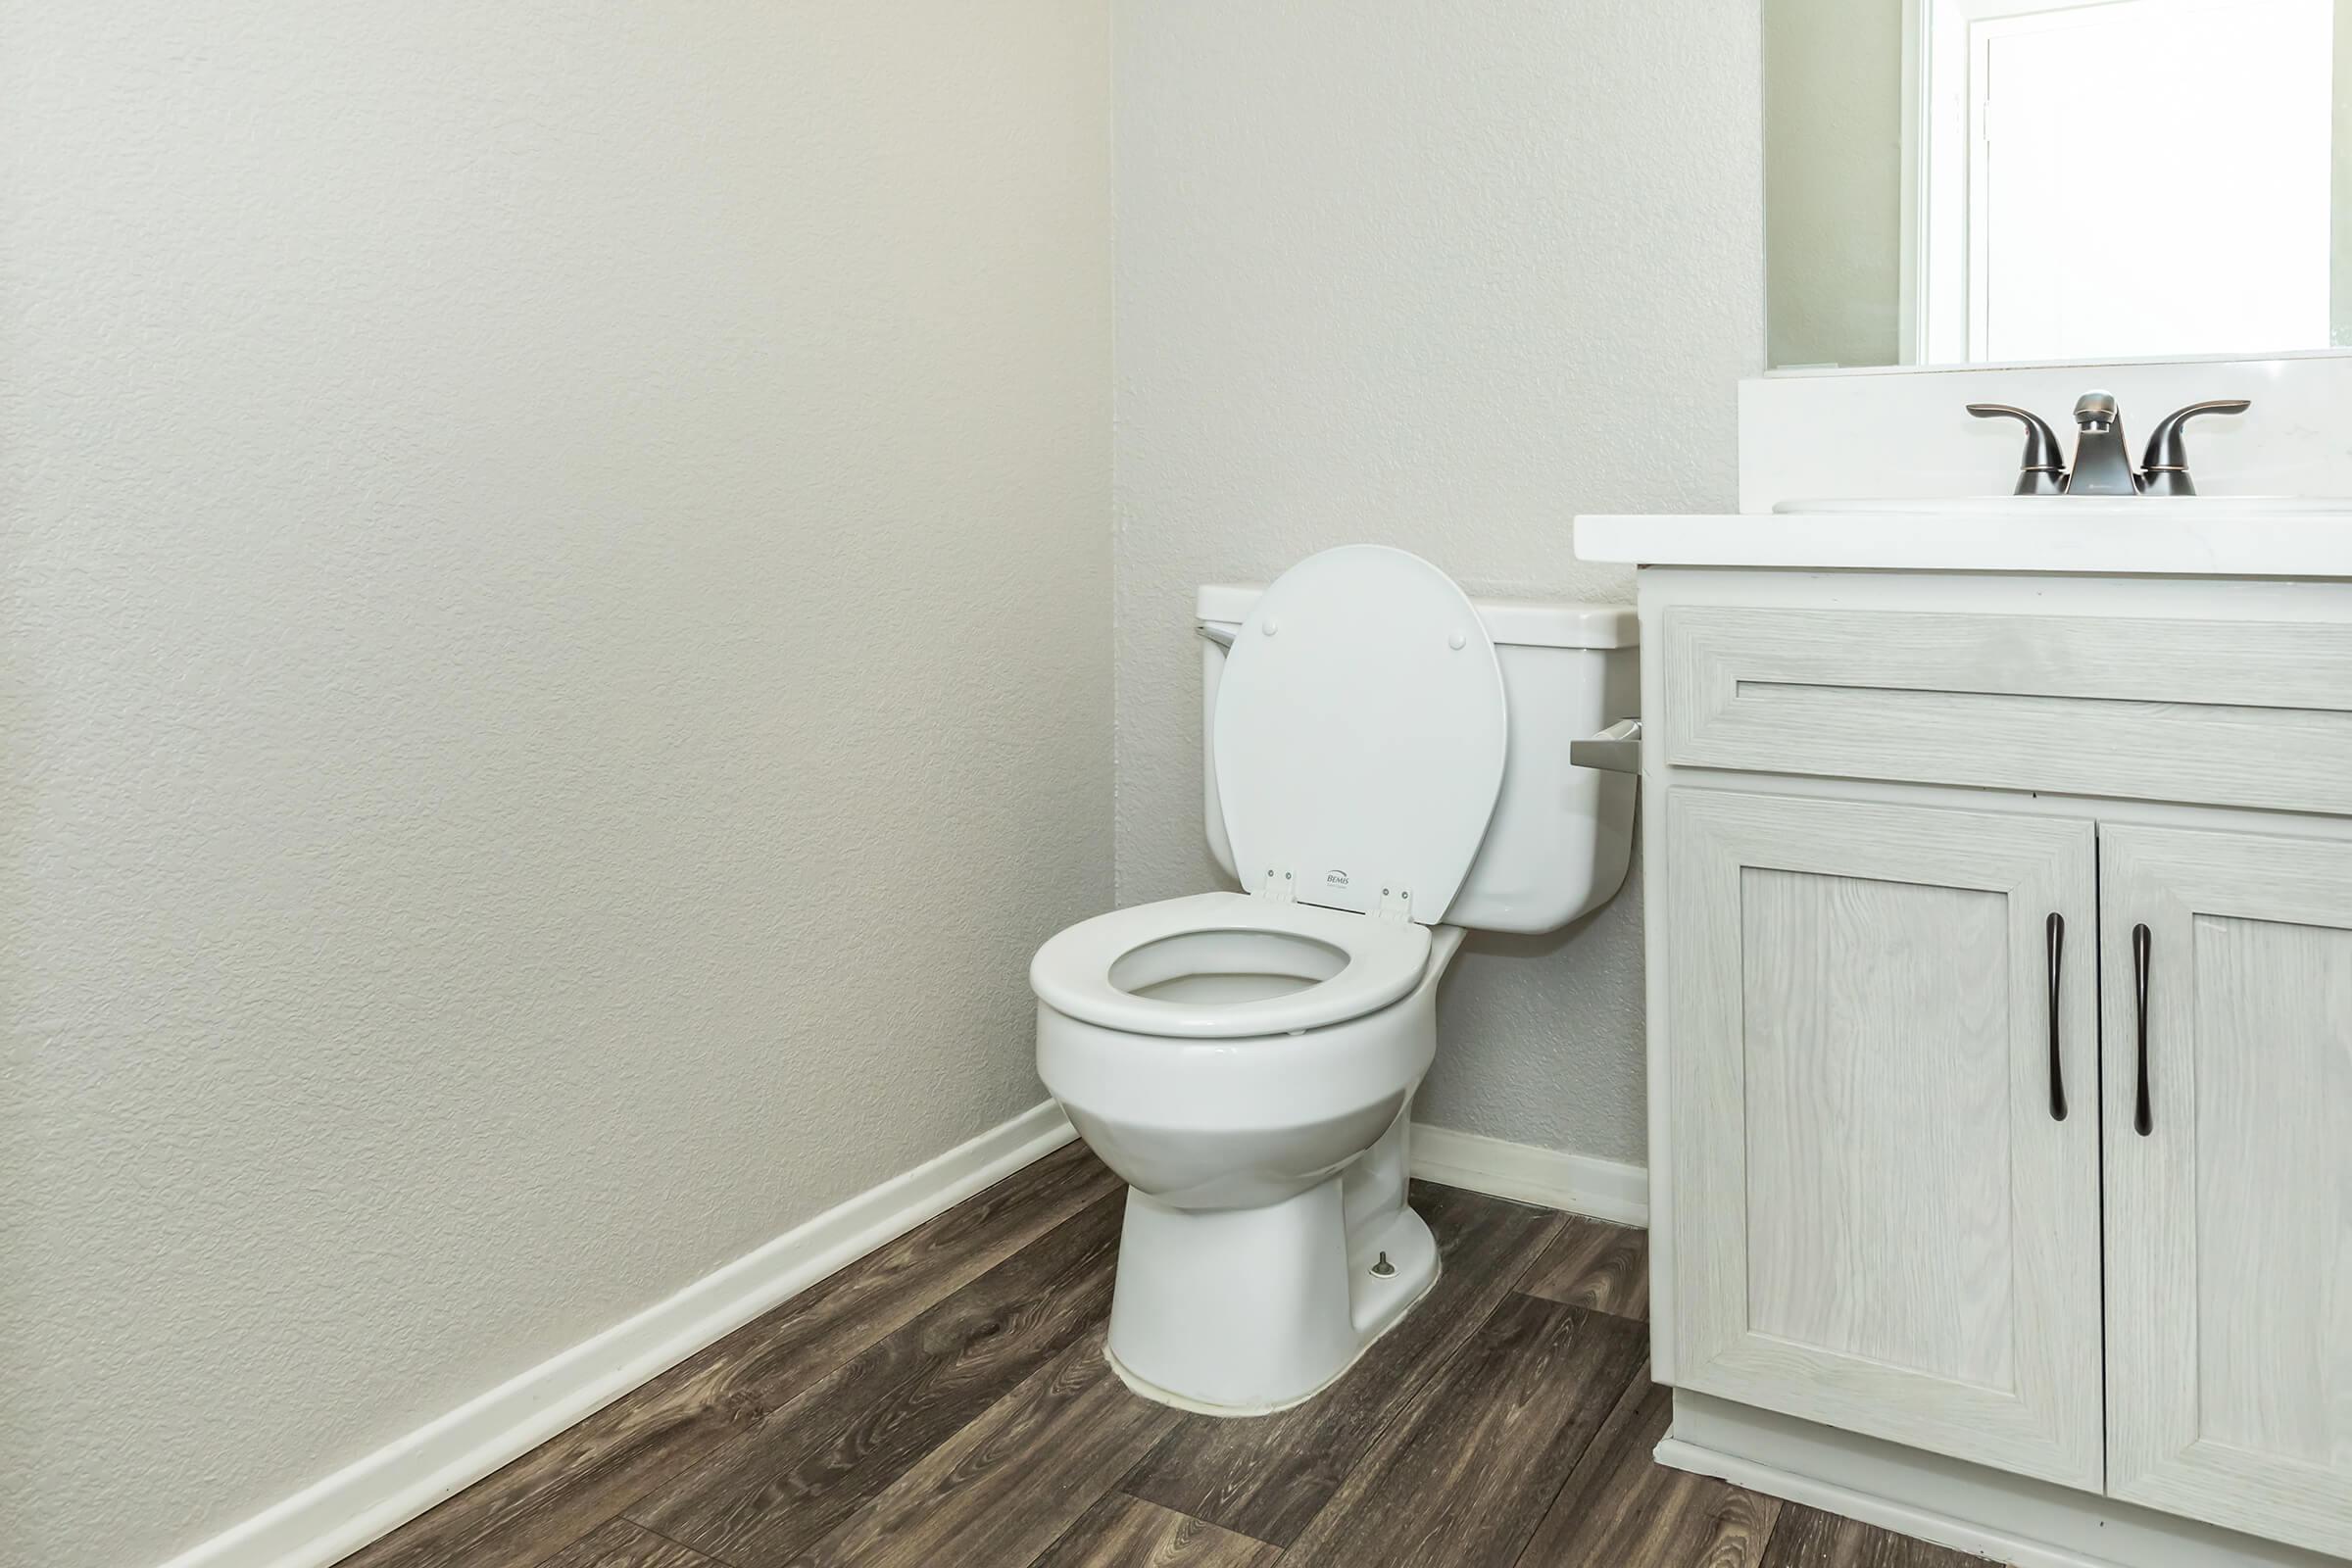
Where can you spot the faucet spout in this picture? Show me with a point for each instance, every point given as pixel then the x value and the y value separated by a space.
pixel 2102 458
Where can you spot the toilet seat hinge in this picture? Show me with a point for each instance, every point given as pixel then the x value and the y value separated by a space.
pixel 1397 905
pixel 1279 886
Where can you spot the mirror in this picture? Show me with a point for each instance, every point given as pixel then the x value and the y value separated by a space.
pixel 1971 182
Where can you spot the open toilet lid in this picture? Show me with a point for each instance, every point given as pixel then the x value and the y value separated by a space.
pixel 1359 734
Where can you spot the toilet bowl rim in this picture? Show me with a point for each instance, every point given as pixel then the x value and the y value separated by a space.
pixel 1383 961
pixel 1268 1085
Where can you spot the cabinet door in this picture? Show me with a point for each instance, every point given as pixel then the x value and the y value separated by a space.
pixel 1881 1224
pixel 2230 1220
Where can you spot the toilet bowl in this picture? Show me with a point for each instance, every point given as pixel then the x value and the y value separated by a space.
pixel 1265 1170
pixel 1246 1061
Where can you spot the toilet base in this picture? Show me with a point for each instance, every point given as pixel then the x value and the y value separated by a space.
pixel 1243 1313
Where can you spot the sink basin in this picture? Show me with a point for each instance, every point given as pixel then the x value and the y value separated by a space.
pixel 2052 508
pixel 2178 536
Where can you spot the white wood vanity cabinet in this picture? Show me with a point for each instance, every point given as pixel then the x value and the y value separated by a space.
pixel 2000 1019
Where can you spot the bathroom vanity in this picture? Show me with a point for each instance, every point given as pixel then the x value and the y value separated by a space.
pixel 2000 904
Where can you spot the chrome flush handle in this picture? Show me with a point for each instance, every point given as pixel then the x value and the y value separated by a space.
pixel 1615 750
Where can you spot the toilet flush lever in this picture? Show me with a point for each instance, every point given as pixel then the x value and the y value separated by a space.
pixel 1615 750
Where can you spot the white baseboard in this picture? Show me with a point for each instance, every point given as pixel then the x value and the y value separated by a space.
pixel 377 1493
pixel 1986 1513
pixel 1577 1183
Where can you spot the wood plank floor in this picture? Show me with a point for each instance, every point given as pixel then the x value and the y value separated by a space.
pixel 944 1401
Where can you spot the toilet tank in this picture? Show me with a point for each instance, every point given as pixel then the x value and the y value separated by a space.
pixel 1560 838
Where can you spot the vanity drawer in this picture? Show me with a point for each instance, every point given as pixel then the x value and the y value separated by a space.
pixel 2223 712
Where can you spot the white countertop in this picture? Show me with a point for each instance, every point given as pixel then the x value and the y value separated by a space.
pixel 2200 537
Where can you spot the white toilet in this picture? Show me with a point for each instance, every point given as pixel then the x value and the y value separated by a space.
pixel 1384 755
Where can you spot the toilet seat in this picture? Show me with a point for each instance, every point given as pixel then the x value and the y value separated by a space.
pixel 1359 735
pixel 1377 963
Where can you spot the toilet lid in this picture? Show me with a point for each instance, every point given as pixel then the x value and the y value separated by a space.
pixel 1359 734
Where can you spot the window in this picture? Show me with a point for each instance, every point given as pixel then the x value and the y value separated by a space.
pixel 2095 178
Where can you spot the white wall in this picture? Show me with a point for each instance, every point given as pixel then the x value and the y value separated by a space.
pixel 557 667
pixel 1438 276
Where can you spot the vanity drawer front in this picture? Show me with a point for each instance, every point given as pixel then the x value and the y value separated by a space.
pixel 2221 712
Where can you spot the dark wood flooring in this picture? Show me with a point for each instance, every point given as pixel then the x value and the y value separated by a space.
pixel 944 1401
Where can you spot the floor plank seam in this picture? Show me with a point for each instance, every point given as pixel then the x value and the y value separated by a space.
pixel 1543 1247
pixel 1598 1312
pixel 698 1551
pixel 630 1514
pixel 1069 1532
pixel 1122 1492
pixel 1412 1391
pixel 1402 1406
pixel 1535 1529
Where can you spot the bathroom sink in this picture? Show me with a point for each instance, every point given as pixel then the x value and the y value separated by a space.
pixel 2054 508
pixel 2174 536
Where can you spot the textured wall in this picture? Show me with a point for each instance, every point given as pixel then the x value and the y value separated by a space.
pixel 1436 275
pixel 555 634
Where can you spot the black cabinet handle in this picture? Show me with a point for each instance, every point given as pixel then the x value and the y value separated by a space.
pixel 2054 929
pixel 2143 1118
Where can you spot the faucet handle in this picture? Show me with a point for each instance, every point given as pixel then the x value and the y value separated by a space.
pixel 2041 472
pixel 2167 463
